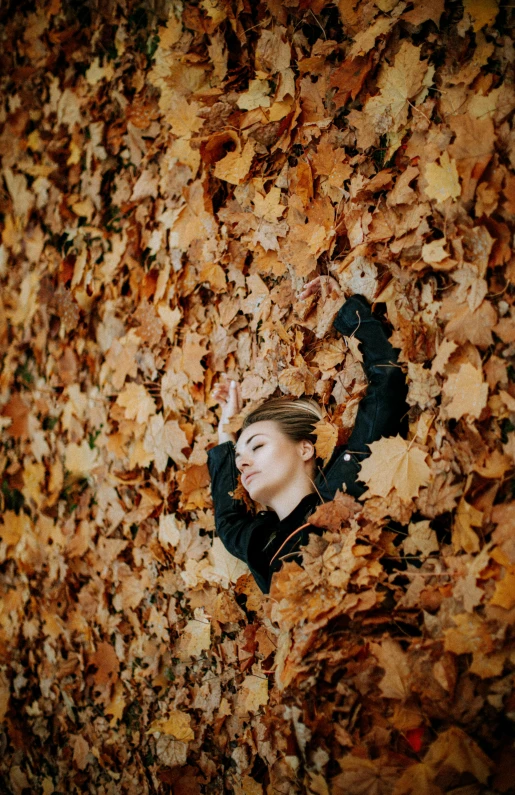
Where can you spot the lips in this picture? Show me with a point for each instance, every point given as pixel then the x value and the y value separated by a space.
pixel 247 477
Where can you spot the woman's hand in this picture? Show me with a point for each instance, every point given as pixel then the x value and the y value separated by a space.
pixel 314 287
pixel 228 395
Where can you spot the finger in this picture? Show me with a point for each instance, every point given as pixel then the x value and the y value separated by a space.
pixel 220 393
pixel 232 399
pixel 310 288
pixel 239 398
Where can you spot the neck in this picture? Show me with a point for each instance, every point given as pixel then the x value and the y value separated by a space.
pixel 288 499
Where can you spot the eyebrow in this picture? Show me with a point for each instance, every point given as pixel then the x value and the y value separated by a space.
pixel 249 441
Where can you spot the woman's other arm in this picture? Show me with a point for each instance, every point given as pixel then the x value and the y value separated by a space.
pixel 381 410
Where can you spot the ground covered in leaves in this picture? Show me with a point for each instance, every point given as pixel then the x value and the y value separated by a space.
pixel 172 174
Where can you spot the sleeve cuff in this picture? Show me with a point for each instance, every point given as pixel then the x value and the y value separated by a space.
pixel 347 319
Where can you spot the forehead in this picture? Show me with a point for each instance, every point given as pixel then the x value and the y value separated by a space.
pixel 264 427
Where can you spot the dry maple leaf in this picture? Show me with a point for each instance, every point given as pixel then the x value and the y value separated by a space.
pixel 396 464
pixel 421 538
pixel 332 515
pixel 177 725
pixel 396 680
pixel 253 694
pixel 137 403
pixel 442 181
pixel 326 439
pixel 466 393
pixel 163 439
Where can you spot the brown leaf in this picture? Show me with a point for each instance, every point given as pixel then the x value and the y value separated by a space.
pixel 332 515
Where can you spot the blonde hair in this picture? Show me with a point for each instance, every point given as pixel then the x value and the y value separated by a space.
pixel 296 417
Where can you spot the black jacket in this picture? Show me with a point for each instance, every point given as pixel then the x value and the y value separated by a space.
pixel 255 539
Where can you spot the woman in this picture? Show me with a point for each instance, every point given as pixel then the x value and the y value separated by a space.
pixel 275 452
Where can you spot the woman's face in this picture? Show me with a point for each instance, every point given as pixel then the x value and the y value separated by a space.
pixel 270 462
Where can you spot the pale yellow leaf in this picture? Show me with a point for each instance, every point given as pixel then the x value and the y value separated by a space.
pixel 226 568
pixel 442 179
pixel 177 724
pixel 80 459
pixel 137 403
pixel 445 350
pixel 168 533
pixel 96 73
pixel 235 166
pixel 116 705
pixel 421 538
pixel 466 392
pixel 434 252
pixel 395 464
pixel 253 694
pixel 256 96
pixel 165 440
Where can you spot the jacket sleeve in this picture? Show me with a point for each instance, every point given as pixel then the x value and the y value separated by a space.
pixel 381 410
pixel 234 524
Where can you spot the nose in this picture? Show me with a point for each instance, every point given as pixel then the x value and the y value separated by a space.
pixel 243 462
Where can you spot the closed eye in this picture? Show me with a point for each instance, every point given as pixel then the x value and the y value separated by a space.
pixel 257 447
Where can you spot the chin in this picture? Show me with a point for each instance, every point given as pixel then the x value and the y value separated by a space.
pixel 255 495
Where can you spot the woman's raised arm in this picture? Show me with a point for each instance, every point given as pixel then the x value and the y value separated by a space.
pixel 381 410
pixel 228 395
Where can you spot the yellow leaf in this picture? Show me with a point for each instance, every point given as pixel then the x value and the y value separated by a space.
pixel 163 440
pixel 137 403
pixel 33 478
pixel 195 638
pixel 434 252
pixel 398 83
pixel 227 568
pixel 268 206
pixel 178 725
pixel 96 73
pixel 215 276
pixel 327 436
pixel 247 786
pixel 256 96
pixel 442 180
pixel 253 694
pixel 84 209
pixel 446 349
pixel 504 594
pixel 469 635
pixel 481 12
pixel 235 166
pixel 169 533
pixel 80 459
pixel 395 464
pixel 421 538
pixel 463 536
pixel 466 392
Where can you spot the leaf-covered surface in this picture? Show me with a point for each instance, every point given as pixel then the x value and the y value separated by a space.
pixel 172 174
